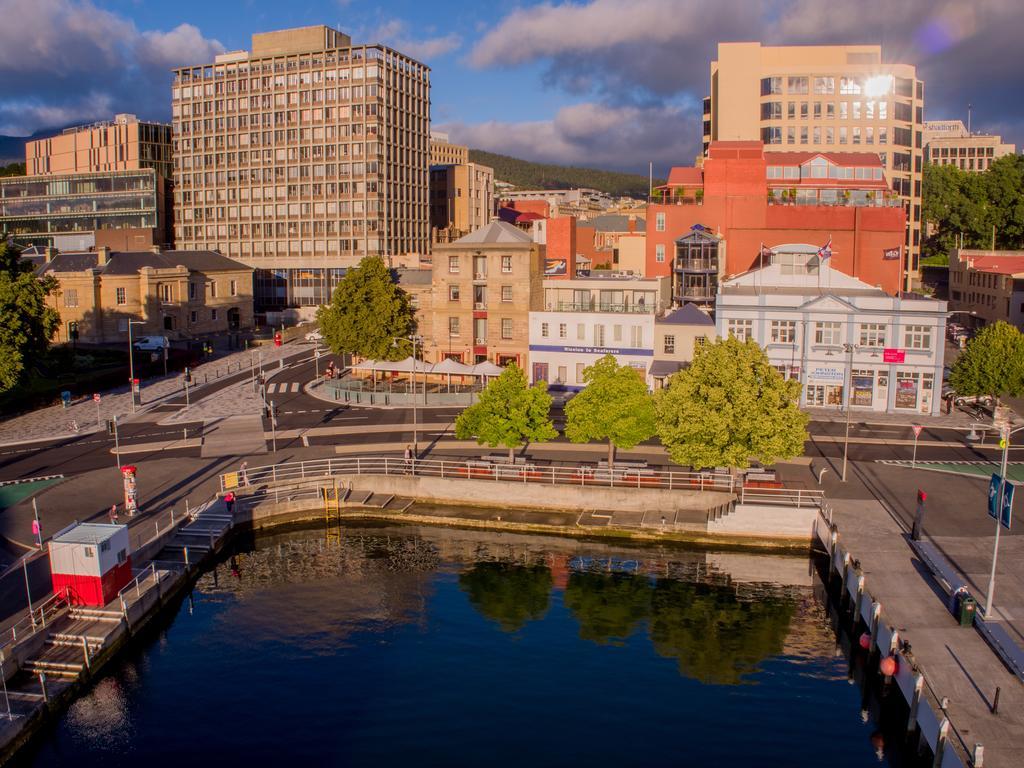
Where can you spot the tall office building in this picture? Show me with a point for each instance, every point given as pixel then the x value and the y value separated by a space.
pixel 828 98
pixel 301 157
pixel 950 142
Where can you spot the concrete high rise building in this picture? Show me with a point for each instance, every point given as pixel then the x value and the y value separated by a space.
pixel 443 152
pixel 950 142
pixel 827 98
pixel 301 157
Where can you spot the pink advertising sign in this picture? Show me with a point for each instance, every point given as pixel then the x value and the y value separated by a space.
pixel 893 355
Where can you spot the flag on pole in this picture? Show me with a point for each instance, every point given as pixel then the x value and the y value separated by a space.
pixel 825 252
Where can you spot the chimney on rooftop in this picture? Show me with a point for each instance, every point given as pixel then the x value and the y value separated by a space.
pixel 102 255
pixel 48 253
pixel 155 249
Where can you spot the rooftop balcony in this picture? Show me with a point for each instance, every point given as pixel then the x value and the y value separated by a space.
pixel 597 306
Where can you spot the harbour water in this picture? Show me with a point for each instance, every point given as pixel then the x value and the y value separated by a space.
pixel 430 647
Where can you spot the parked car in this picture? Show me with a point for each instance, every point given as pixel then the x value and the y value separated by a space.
pixel 980 401
pixel 314 336
pixel 152 343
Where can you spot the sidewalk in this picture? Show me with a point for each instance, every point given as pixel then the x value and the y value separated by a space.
pixel 56 421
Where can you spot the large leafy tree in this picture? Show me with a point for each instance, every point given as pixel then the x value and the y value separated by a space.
pixel 968 207
pixel 730 406
pixel 368 311
pixel 992 364
pixel 26 322
pixel 508 413
pixel 615 406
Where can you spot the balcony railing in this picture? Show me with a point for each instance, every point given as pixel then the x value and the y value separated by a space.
pixel 852 203
pixel 597 306
pixel 696 294
pixel 696 265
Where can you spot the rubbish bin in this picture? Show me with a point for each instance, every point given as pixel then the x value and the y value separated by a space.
pixel 966 608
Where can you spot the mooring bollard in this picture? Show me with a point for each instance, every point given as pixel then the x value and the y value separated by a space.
pixel 978 760
pixel 42 686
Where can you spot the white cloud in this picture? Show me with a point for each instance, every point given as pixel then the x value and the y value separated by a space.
pixel 589 134
pixel 394 33
pixel 65 61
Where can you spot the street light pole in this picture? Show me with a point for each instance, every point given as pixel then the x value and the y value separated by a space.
pixel 131 360
pixel 848 348
pixel 990 595
pixel 415 415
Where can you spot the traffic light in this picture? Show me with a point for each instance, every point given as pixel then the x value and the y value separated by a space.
pixel 188 374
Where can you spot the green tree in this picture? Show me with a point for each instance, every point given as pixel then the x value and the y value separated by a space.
pixel 368 311
pixel 609 606
pixel 508 413
pixel 508 593
pixel 1004 184
pixel 614 406
pixel 728 407
pixel 992 363
pixel 715 637
pixel 26 322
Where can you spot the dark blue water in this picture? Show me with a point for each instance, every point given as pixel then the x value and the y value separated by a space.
pixel 433 648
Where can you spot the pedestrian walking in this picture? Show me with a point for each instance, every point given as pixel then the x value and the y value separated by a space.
pixel 243 473
pixel 113 514
pixel 408 458
pixel 229 502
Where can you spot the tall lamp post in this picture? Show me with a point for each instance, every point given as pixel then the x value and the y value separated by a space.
pixel 131 359
pixel 415 416
pixel 1005 443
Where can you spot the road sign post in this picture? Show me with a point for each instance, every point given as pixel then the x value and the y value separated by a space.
pixel 997 509
pixel 917 431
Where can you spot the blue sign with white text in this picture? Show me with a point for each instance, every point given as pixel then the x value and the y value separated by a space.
pixel 1006 513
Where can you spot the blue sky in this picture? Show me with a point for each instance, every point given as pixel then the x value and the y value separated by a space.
pixel 605 83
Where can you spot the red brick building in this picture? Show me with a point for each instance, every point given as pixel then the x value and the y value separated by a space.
pixel 752 198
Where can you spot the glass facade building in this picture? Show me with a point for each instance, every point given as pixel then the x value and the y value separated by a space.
pixel 35 209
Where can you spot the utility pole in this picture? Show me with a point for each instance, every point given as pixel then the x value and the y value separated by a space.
pixel 990 595
pixel 117 445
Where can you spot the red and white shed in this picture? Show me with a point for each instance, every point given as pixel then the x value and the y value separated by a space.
pixel 92 560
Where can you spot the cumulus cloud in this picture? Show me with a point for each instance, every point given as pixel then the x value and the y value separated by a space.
pixel 394 33
pixel 645 51
pixel 65 61
pixel 590 134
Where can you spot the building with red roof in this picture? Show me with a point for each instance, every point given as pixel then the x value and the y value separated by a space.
pixel 988 285
pixel 752 200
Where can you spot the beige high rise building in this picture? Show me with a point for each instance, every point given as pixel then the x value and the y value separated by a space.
pixel 301 157
pixel 829 98
pixel 949 142
pixel 461 199
pixel 122 144
pixel 443 152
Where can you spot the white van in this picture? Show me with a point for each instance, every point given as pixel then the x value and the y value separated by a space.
pixel 152 343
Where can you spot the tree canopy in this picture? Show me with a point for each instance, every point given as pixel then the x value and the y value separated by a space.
pixel 728 407
pixel 508 413
pixel 969 204
pixel 368 311
pixel 991 364
pixel 527 175
pixel 614 406
pixel 26 322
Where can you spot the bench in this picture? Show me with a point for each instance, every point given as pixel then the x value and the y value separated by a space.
pixel 603 464
pixel 1003 644
pixel 502 458
pixel 944 573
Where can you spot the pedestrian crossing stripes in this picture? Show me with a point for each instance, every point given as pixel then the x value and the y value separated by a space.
pixel 283 387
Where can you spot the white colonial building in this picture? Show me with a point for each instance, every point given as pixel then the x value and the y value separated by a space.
pixel 843 339
pixel 585 319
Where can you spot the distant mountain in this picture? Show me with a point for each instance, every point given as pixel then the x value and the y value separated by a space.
pixel 12 148
pixel 527 175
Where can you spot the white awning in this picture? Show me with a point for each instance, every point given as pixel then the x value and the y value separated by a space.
pixel 453 367
pixel 487 368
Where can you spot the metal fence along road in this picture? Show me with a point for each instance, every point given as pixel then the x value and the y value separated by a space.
pixel 749 492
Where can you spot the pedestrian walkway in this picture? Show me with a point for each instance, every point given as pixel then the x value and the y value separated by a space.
pixel 85 415
pixel 234 436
